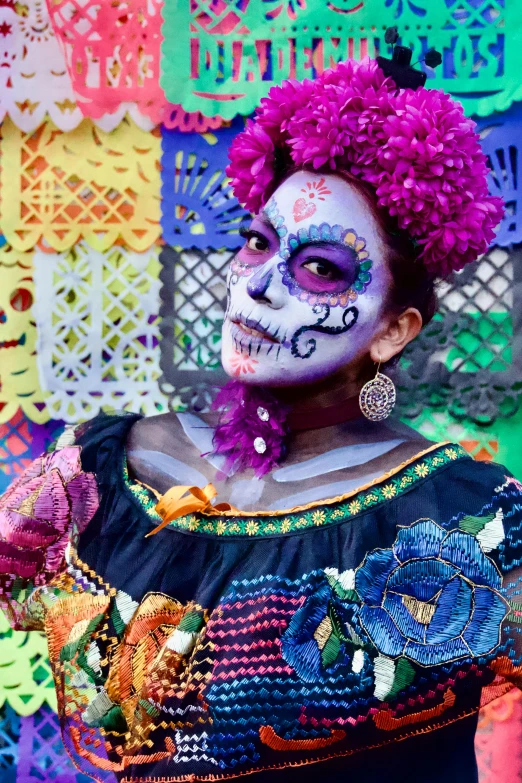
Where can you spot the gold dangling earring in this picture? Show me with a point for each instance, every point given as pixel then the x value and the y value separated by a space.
pixel 377 397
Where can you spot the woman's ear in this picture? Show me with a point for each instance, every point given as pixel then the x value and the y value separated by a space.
pixel 399 331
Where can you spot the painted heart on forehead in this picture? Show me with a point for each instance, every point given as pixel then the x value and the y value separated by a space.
pixel 306 206
pixel 303 209
pixel 307 290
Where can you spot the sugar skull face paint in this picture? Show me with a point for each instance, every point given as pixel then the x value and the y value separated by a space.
pixel 305 292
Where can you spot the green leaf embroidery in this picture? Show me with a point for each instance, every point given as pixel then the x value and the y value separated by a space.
pixel 474 525
pixel 404 675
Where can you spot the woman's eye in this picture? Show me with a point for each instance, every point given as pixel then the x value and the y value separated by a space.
pixel 321 268
pixel 254 241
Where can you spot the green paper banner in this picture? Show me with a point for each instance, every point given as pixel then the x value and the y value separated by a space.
pixel 221 56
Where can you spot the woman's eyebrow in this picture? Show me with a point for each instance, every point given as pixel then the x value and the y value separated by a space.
pixel 263 218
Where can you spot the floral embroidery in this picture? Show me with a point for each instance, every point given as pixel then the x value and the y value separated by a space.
pixel 432 598
pixel 389 491
pixel 318 517
pixel 328 514
pixel 39 511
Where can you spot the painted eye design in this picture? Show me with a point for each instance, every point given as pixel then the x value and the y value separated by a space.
pixel 322 269
pixel 21 300
pixel 318 274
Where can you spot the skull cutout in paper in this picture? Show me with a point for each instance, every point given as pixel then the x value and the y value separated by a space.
pixel 18 373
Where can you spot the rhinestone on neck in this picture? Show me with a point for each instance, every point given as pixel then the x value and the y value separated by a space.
pixel 263 414
pixel 260 445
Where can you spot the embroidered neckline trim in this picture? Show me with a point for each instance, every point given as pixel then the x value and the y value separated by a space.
pixel 321 513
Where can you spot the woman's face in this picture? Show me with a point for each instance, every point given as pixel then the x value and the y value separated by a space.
pixel 305 292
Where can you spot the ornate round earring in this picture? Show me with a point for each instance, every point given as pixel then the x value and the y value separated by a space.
pixel 377 397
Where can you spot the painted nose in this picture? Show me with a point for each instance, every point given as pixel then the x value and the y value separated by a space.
pixel 265 286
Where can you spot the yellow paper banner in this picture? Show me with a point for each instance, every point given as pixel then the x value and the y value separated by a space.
pixel 85 183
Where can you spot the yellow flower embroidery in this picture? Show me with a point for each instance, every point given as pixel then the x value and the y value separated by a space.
pixel 370 499
pixel 450 453
pixel 318 517
pixel 270 528
pixel 354 507
pixel 437 460
pixel 389 491
pixel 301 522
pixel 234 528
pixel 252 527
pixel 220 527
pixel 285 525
pixel 337 513
pixel 193 523
pixel 422 470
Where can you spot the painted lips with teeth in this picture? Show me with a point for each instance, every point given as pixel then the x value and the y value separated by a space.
pixel 242 327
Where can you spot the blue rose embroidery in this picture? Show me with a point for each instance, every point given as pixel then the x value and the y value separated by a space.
pixel 432 597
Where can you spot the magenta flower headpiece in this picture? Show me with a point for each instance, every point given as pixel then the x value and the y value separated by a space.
pixel 415 147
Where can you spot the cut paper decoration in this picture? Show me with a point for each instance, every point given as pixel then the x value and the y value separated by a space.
pixel 466 360
pixel 42 754
pixel 15 448
pixel 502 143
pixel 176 118
pixel 112 50
pixel 197 205
pixel 9 734
pixel 22 441
pixel 98 331
pixel 193 297
pixel 439 425
pixel 239 50
pixel 34 80
pixel 86 183
pixel 19 382
pixel 33 75
pixel 27 680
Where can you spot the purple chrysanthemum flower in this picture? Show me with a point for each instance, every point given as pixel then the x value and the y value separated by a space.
pixel 415 147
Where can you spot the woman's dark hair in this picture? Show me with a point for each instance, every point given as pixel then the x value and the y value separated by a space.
pixel 413 285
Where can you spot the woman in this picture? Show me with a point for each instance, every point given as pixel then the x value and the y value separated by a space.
pixel 348 587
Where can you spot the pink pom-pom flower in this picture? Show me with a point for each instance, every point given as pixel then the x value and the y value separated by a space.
pixel 415 147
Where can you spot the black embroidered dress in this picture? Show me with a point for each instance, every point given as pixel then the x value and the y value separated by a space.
pixel 308 641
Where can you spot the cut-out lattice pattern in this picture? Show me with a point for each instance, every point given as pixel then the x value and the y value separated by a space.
pixel 482 444
pixel 502 143
pixel 198 208
pixel 9 734
pixel 239 49
pixel 86 183
pixel 42 755
pixel 97 319
pixel 27 681
pixel 19 383
pixel 112 51
pixel 468 358
pixel 21 441
pixel 193 298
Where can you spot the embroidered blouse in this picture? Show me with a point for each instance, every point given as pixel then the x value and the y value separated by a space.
pixel 235 643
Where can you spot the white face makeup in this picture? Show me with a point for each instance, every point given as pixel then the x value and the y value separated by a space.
pixel 305 292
